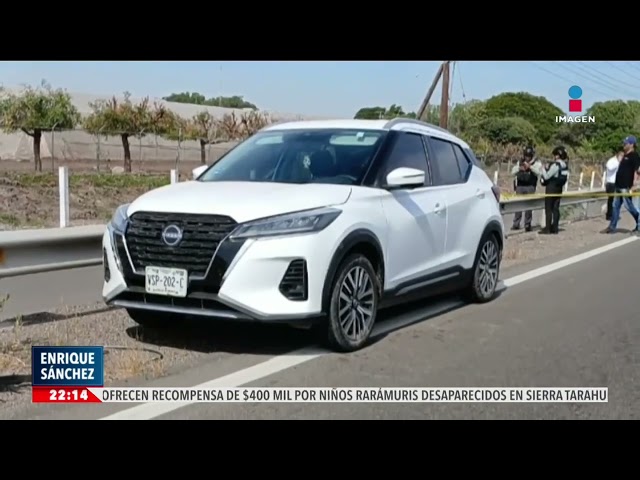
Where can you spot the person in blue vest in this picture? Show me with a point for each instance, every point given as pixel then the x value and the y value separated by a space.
pixel 554 177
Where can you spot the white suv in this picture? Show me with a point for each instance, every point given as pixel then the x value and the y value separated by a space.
pixel 306 221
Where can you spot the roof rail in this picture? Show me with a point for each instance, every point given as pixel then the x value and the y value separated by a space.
pixel 398 120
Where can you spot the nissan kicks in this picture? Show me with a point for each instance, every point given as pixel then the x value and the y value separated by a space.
pixel 311 222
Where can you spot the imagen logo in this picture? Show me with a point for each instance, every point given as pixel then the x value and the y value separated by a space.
pixel 575 106
pixel 575 103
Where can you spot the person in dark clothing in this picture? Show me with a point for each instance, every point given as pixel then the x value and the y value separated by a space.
pixel 625 176
pixel 611 168
pixel 554 177
pixel 526 179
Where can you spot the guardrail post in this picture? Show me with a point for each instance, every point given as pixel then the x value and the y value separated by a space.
pixel 566 185
pixel 63 189
pixel 495 177
pixel 604 178
pixel 174 176
pixel 593 179
pixel 580 180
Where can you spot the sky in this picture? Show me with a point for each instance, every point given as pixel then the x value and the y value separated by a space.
pixel 334 89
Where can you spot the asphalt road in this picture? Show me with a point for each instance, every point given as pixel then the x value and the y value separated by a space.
pixel 46 291
pixel 570 323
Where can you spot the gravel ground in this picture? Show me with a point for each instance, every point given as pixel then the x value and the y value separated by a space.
pixel 129 352
pixel 133 354
pixel 525 247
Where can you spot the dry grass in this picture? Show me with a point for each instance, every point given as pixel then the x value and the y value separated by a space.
pixel 121 361
pixel 30 200
pixel 126 355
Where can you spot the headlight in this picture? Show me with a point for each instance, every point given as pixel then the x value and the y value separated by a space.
pixel 119 219
pixel 299 222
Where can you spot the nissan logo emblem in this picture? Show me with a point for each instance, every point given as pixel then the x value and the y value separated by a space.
pixel 172 235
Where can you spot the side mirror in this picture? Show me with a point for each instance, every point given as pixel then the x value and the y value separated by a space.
pixel 405 177
pixel 196 172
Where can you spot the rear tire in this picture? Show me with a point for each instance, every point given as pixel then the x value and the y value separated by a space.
pixel 153 320
pixel 486 271
pixel 353 305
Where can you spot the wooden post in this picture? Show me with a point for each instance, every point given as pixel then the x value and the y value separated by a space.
pixel 427 98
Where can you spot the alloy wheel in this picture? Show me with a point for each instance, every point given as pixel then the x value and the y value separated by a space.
pixel 356 304
pixel 487 277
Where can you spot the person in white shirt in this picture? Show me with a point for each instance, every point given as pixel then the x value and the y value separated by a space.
pixel 610 179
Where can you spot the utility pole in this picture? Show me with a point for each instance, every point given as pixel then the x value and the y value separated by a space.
pixel 444 100
pixel 425 103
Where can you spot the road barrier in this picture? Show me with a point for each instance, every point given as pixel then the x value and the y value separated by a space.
pixel 24 252
pixel 521 203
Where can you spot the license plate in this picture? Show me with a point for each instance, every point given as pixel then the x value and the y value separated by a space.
pixel 171 282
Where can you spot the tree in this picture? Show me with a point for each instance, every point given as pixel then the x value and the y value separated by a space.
pixel 375 113
pixel 614 121
pixel 232 127
pixel 201 127
pixel 37 110
pixel 186 97
pixel 235 101
pixel 538 111
pixel 508 131
pixel 370 113
pixel 465 119
pixel 126 119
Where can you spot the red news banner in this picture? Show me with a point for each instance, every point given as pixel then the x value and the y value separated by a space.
pixel 63 395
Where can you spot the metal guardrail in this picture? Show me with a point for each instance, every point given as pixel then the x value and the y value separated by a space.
pixel 25 252
pixel 536 201
pixel 45 250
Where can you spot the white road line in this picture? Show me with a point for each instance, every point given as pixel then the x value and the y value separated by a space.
pixel 148 411
pixel 538 272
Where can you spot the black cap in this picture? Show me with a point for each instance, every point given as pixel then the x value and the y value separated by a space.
pixel 529 152
pixel 561 152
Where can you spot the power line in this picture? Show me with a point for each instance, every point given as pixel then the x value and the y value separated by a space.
pixel 634 86
pixel 620 69
pixel 634 65
pixel 565 79
pixel 593 80
pixel 464 95
pixel 588 77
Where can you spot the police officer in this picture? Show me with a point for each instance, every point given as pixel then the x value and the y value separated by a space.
pixel 554 177
pixel 526 179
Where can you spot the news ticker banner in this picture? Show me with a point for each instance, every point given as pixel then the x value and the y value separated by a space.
pixel 319 395
pixel 76 375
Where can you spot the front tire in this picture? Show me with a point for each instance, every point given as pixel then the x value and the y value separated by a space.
pixel 353 304
pixel 486 271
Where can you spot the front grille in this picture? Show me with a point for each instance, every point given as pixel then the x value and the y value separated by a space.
pixel 201 235
pixel 294 283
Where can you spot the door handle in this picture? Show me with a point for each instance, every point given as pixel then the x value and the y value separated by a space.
pixel 480 194
pixel 439 208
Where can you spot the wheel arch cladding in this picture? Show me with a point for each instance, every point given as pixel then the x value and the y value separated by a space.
pixel 494 228
pixel 360 241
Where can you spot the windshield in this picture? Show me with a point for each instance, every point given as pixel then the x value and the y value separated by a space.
pixel 337 156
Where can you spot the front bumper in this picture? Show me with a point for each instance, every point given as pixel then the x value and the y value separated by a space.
pixel 244 281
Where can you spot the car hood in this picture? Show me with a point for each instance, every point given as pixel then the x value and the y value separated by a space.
pixel 242 201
